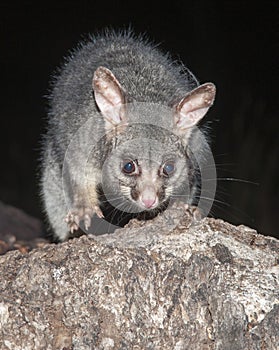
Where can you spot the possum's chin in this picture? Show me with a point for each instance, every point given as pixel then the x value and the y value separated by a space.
pixel 137 206
pixel 148 205
pixel 145 203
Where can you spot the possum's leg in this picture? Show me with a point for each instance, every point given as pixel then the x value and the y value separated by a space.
pixel 84 201
pixel 65 217
pixel 53 196
pixel 83 212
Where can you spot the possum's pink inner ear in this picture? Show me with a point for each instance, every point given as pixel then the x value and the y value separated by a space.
pixel 193 107
pixel 109 96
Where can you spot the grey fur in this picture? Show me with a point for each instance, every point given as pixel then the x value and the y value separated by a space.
pixel 146 75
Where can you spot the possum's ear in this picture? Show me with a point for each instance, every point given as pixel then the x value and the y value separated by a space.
pixel 109 96
pixel 193 107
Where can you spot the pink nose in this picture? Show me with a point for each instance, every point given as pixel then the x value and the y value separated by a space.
pixel 148 202
pixel 148 196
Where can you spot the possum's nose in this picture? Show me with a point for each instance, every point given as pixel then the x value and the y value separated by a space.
pixel 148 197
pixel 148 203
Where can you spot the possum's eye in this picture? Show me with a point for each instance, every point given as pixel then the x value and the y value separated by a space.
pixel 168 168
pixel 129 167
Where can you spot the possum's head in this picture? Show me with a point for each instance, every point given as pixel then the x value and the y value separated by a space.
pixel 151 158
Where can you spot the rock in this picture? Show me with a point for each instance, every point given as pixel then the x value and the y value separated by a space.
pixel 17 222
pixel 19 230
pixel 169 283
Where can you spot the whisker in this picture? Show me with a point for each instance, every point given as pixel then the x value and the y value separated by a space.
pixel 235 180
pixel 111 200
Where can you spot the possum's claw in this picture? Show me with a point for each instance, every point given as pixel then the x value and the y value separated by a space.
pixel 194 212
pixel 72 221
pixel 77 215
pixel 73 227
pixel 98 212
pixel 87 221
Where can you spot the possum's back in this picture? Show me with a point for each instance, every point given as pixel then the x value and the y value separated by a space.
pixel 145 73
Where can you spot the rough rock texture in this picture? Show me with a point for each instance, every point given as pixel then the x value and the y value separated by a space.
pixel 170 283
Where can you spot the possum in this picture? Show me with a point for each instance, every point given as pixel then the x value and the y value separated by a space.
pixel 121 134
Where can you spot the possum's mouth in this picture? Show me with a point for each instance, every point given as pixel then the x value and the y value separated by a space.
pixel 134 200
pixel 148 203
pixel 148 197
pixel 131 205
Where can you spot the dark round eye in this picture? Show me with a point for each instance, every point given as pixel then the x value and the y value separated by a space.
pixel 129 167
pixel 168 168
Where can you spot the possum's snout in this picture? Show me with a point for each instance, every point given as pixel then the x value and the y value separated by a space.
pixel 148 198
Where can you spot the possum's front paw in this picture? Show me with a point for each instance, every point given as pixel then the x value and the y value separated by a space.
pixel 194 212
pixel 76 215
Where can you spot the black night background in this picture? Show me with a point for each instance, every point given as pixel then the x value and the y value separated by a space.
pixel 231 43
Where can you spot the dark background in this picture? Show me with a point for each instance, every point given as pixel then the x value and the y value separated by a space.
pixel 232 43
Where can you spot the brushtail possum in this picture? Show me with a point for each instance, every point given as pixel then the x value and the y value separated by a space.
pixel 121 132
